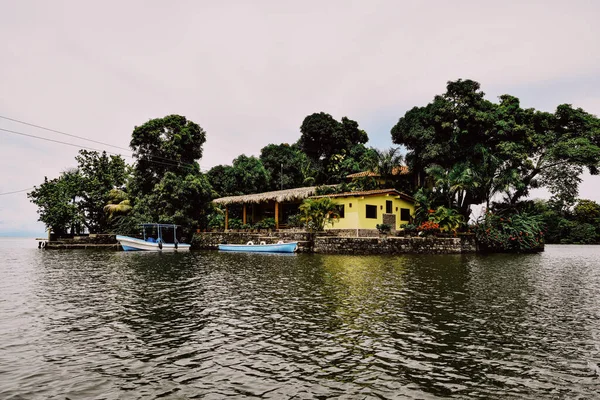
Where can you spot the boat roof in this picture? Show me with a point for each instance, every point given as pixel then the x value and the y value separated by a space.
pixel 159 225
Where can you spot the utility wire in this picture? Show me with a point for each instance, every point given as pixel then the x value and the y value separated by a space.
pixel 63 133
pixel 79 137
pixel 58 141
pixel 16 191
pixel 171 163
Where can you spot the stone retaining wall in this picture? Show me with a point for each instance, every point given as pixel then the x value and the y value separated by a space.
pixel 328 244
pixel 393 245
pixel 101 241
pixel 211 240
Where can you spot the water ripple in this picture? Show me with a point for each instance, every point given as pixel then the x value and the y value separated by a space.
pixel 104 325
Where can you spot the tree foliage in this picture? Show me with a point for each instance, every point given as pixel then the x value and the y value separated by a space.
pixel 55 200
pixel 284 164
pixel 480 148
pixel 328 143
pixel 99 174
pixel 161 145
pixel 317 213
pixel 246 175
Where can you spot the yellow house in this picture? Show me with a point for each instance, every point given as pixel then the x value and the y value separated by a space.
pixel 365 210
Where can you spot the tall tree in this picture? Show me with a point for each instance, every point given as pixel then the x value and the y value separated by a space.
pixel 161 145
pixel 284 163
pixel 327 142
pixel 507 148
pixel 55 200
pixel 246 175
pixel 99 175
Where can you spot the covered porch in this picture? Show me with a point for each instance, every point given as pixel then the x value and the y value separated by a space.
pixel 279 204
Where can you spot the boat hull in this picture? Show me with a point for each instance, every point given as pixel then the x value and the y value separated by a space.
pixel 133 244
pixel 261 248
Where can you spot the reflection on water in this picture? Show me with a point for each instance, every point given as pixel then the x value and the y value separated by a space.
pixel 84 324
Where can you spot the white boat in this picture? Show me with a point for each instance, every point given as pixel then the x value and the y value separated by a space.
pixel 280 247
pixel 151 243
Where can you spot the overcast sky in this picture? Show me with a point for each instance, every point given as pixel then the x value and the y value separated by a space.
pixel 249 71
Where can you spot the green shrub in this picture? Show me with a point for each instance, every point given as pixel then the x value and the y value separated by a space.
pixel 267 223
pixel 216 221
pixel 447 218
pixel 509 233
pixel 409 228
pixel 384 228
pixel 294 221
pixel 583 233
pixel 235 223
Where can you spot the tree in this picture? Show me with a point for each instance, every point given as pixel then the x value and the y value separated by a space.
pixel 506 148
pixel 161 145
pixel 284 163
pixel 587 211
pixel 246 175
pixel 327 142
pixel 447 130
pixel 56 202
pixel 99 175
pixel 317 213
pixel 79 196
pixel 223 180
pixel 177 200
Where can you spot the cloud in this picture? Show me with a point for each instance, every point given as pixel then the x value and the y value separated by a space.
pixel 249 72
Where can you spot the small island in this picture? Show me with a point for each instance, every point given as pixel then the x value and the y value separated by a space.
pixel 333 193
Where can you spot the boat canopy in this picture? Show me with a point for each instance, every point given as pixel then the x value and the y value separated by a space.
pixel 159 225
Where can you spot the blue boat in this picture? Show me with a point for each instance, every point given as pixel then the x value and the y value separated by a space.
pixel 279 247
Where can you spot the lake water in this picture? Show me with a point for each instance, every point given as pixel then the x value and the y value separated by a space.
pixel 115 325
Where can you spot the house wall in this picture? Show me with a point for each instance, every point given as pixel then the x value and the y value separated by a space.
pixel 355 215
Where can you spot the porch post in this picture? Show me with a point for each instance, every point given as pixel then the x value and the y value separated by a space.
pixel 226 218
pixel 244 215
pixel 276 215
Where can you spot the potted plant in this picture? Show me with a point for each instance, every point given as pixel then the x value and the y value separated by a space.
pixel 268 224
pixel 409 230
pixel 235 224
pixel 384 229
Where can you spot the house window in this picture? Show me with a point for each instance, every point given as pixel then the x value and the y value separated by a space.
pixel 340 209
pixel 349 205
pixel 404 214
pixel 371 211
pixel 388 207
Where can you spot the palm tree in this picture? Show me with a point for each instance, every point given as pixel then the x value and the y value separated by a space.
pixel 118 204
pixel 387 163
pixel 316 213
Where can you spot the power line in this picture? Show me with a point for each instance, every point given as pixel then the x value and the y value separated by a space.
pixel 174 163
pixel 58 141
pixel 63 133
pixel 169 162
pixel 16 191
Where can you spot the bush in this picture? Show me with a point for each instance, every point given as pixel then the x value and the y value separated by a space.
pixel 447 218
pixel 294 221
pixel 384 228
pixel 246 226
pixel 583 233
pixel 428 228
pixel 216 221
pixel 267 223
pixel 409 228
pixel 235 223
pixel 512 233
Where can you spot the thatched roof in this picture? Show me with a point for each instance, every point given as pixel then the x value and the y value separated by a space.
pixel 400 170
pixel 279 196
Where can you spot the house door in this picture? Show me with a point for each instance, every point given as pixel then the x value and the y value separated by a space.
pixel 388 207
